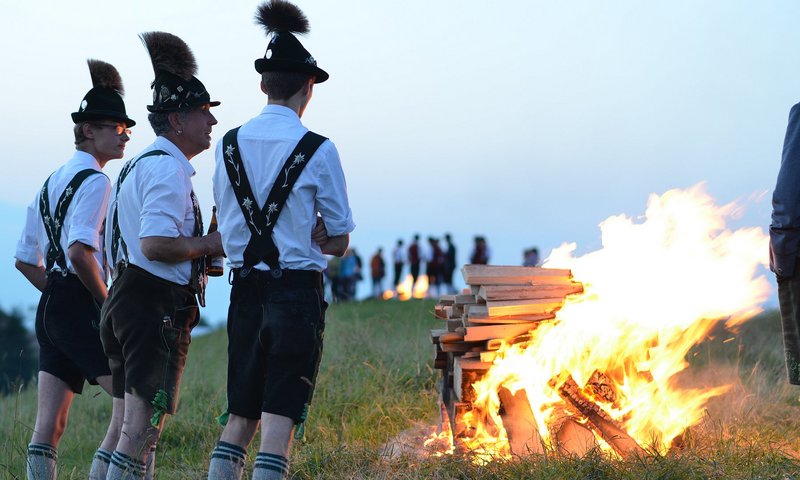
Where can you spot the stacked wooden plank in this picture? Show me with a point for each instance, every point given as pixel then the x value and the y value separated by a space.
pixel 501 305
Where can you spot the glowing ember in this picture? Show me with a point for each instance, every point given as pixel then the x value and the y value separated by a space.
pixel 653 291
pixel 405 289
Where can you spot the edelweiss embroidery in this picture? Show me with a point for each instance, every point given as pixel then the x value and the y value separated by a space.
pixel 273 207
pixel 248 205
pixel 229 158
pixel 298 159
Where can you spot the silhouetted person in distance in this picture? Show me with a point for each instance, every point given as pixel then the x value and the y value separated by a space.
pixel 530 257
pixel 480 252
pixel 347 275
pixel 449 264
pixel 414 259
pixel 359 275
pixel 433 267
pixel 398 257
pixel 377 267
pixel 332 272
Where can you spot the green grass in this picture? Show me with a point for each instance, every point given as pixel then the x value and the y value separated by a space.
pixel 376 385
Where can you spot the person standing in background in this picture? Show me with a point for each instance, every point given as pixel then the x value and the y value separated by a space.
pixel 398 258
pixel 433 267
pixel 530 257
pixel 449 264
pixel 377 267
pixel 414 259
pixel 480 252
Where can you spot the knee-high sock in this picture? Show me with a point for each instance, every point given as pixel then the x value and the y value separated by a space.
pixel 270 467
pixel 227 462
pixel 100 462
pixel 123 467
pixel 42 459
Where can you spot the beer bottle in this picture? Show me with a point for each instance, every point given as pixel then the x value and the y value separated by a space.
pixel 213 264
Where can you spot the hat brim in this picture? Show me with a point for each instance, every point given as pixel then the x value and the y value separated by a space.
pixel 154 109
pixel 277 65
pixel 78 117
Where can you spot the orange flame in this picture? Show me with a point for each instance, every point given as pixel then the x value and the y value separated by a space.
pixel 653 291
pixel 407 289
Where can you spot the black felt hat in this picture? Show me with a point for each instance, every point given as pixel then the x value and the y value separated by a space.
pixel 104 100
pixel 285 53
pixel 175 86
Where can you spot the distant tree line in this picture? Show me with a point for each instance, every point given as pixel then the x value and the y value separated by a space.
pixel 18 352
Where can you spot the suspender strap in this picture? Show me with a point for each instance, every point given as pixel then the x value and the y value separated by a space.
pixel 261 222
pixel 116 236
pixel 53 224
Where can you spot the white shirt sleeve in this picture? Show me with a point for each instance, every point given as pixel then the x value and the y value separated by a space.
pixel 88 211
pixel 163 200
pixel 331 197
pixel 28 249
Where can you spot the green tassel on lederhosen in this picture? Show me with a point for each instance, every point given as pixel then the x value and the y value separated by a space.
pixel 159 404
pixel 223 417
pixel 300 427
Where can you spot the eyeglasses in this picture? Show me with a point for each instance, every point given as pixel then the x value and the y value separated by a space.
pixel 119 128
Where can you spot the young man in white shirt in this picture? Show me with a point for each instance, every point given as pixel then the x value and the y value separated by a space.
pixel 157 246
pixel 277 314
pixel 61 253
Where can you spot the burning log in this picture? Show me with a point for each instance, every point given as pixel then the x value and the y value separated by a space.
pixel 501 307
pixel 598 419
pixel 488 332
pixel 480 314
pixel 519 422
pixel 572 438
pixel 523 307
pixel 518 292
pixel 467 371
pixel 504 275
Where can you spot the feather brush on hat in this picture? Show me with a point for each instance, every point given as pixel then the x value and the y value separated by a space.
pixel 104 75
pixel 169 53
pixel 280 15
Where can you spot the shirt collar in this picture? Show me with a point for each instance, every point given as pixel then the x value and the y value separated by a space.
pixel 162 143
pixel 85 160
pixel 282 111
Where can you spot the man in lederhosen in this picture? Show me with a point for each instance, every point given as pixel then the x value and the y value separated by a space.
pixel 273 180
pixel 64 227
pixel 784 247
pixel 157 246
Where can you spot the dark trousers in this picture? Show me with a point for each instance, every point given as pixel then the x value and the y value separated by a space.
pixel 398 270
pixel 789 299
pixel 414 267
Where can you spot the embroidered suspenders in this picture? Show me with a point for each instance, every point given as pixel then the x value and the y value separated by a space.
pixel 261 221
pixel 54 223
pixel 116 236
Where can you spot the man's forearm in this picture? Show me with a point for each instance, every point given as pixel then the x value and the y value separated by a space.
pixel 336 246
pixel 180 249
pixel 33 273
pixel 82 258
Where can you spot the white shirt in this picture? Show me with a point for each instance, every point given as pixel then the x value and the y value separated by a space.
pixel 399 254
pixel 154 201
pixel 83 221
pixel 265 143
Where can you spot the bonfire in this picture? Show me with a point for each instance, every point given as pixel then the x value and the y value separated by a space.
pixel 587 356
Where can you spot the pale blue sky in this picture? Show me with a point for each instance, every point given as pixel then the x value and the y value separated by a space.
pixel 529 122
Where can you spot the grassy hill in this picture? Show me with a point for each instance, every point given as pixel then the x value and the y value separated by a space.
pixel 376 384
